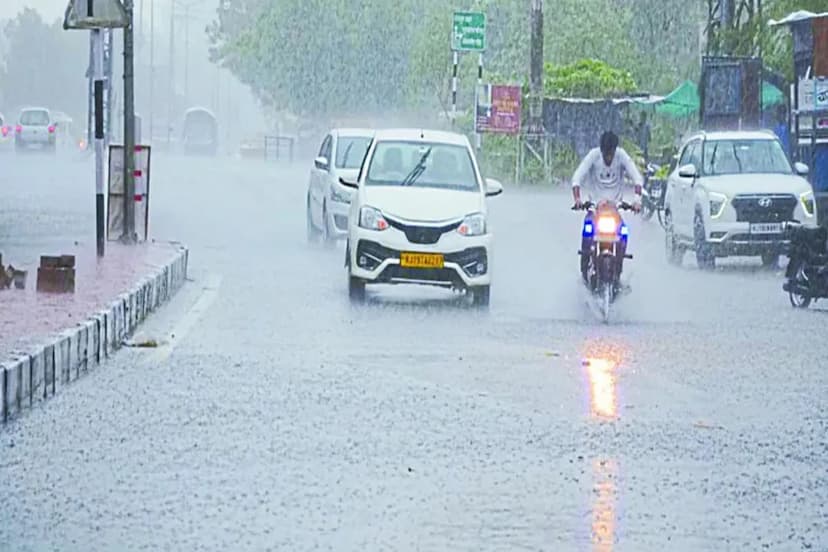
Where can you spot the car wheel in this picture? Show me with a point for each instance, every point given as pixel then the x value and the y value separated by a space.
pixel 705 257
pixel 481 296
pixel 312 232
pixel 770 260
pixel 327 238
pixel 675 252
pixel 356 289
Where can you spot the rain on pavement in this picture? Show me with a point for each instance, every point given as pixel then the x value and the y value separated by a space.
pixel 275 415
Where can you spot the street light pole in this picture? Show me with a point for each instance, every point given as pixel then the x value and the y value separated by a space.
pixel 171 79
pixel 187 51
pixel 129 128
pixel 152 70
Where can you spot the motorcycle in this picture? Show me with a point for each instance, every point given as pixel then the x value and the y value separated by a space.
pixel 652 193
pixel 807 271
pixel 607 233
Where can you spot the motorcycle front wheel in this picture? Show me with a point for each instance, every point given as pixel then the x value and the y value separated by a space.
pixel 798 300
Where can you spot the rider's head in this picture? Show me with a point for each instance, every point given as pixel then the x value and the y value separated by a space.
pixel 609 142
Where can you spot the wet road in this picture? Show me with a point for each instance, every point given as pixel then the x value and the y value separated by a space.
pixel 276 416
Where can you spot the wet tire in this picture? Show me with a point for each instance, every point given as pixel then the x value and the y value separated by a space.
pixel 674 251
pixel 481 296
pixel 356 290
pixel 705 257
pixel 325 234
pixel 799 301
pixel 770 260
pixel 312 232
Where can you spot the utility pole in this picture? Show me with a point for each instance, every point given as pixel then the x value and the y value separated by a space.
pixel 536 69
pixel 171 79
pixel 129 129
pixel 152 70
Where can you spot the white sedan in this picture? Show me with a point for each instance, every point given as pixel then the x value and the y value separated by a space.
pixel 419 215
pixel 328 201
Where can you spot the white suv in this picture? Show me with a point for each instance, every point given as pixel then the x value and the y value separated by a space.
pixel 35 129
pixel 419 215
pixel 732 194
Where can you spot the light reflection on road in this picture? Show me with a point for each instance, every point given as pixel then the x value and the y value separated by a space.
pixel 604 474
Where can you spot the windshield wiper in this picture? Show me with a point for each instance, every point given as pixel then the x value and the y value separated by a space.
pixel 418 169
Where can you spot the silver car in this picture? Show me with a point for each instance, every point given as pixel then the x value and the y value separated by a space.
pixel 35 130
pixel 328 201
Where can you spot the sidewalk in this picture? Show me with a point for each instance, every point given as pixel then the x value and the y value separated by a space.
pixel 28 318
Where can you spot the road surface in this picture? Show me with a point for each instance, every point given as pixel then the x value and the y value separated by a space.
pixel 276 416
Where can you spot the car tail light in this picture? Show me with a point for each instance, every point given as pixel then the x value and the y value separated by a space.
pixel 5 131
pixel 51 129
pixel 18 129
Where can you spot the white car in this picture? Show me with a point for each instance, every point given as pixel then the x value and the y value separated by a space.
pixel 419 215
pixel 732 194
pixel 35 129
pixel 328 201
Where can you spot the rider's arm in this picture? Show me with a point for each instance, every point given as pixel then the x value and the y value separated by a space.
pixel 581 174
pixel 632 171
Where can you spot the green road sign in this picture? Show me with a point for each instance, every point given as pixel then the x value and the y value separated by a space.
pixel 468 32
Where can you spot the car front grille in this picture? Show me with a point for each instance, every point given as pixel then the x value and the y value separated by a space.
pixel 422 235
pixel 764 208
pixel 474 261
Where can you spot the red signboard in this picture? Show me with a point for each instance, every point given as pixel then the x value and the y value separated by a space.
pixel 498 109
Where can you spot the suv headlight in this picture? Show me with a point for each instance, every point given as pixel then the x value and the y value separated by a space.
pixel 717 204
pixel 372 219
pixel 808 203
pixel 340 196
pixel 473 225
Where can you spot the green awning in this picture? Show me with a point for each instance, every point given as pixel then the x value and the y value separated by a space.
pixel 771 95
pixel 684 101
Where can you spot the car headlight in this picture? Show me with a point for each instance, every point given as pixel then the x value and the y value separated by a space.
pixel 473 225
pixel 808 204
pixel 340 196
pixel 372 219
pixel 717 204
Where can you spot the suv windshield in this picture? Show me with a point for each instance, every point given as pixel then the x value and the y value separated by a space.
pixel 744 157
pixel 442 166
pixel 351 151
pixel 34 118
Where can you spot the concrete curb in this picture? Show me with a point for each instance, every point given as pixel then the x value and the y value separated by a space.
pixel 35 377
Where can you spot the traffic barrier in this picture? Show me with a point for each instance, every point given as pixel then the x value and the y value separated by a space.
pixel 28 379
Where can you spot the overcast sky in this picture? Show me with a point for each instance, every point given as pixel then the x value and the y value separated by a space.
pixel 51 9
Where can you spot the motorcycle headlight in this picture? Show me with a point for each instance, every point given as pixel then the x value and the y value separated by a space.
pixel 340 196
pixel 808 204
pixel 473 225
pixel 717 204
pixel 607 225
pixel 372 219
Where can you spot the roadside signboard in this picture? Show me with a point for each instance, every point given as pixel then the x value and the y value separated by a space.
pixel 813 95
pixel 115 199
pixel 468 32
pixel 498 109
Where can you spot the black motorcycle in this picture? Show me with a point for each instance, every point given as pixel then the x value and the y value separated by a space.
pixel 807 272
pixel 606 233
pixel 652 198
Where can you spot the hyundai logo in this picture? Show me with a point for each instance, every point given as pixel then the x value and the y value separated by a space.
pixel 765 202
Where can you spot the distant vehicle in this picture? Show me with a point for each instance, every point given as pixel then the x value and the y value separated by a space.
pixel 328 201
pixel 732 194
pixel 63 129
pixel 419 215
pixel 200 132
pixel 6 133
pixel 35 130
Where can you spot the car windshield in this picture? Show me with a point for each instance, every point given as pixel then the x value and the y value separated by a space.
pixel 34 118
pixel 421 164
pixel 744 157
pixel 351 151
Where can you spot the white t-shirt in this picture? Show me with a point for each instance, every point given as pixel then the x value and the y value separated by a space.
pixel 602 182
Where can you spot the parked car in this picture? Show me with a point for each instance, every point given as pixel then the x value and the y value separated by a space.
pixel 328 201
pixel 419 215
pixel 732 194
pixel 35 130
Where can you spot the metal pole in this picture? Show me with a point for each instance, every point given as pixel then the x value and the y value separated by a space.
pixel 129 130
pixel 152 70
pixel 187 52
pixel 456 61
pixel 98 53
pixel 477 136
pixel 90 112
pixel 536 68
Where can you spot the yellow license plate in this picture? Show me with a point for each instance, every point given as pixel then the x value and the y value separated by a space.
pixel 421 260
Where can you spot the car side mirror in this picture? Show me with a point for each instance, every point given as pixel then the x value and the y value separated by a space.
pixel 348 184
pixel 321 163
pixel 801 169
pixel 688 171
pixel 493 187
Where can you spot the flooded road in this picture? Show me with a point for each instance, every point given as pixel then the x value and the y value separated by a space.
pixel 275 415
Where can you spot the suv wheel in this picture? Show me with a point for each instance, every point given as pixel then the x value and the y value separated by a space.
pixel 705 257
pixel 481 296
pixel 356 289
pixel 312 232
pixel 675 252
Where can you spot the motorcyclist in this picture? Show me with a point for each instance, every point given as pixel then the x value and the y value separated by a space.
pixel 601 174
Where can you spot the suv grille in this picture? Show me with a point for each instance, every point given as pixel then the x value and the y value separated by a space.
pixel 425 235
pixel 764 208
